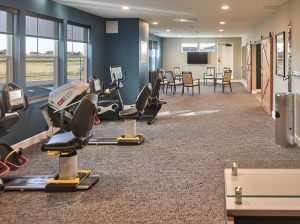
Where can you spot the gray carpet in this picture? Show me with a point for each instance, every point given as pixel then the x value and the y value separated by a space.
pixel 176 176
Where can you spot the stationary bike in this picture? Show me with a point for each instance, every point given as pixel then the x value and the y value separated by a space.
pixel 64 145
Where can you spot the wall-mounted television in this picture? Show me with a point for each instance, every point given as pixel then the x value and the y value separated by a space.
pixel 197 57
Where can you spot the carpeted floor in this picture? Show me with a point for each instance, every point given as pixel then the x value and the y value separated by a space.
pixel 176 176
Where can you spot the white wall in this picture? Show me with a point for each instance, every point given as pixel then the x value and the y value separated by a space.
pixel 277 23
pixel 173 57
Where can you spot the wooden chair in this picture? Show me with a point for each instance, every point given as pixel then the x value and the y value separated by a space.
pixel 188 82
pixel 172 82
pixel 209 74
pixel 177 73
pixel 225 80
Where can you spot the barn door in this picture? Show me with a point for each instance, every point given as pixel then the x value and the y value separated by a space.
pixel 249 68
pixel 267 74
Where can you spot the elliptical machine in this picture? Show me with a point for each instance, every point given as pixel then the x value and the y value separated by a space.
pixel 65 145
pixel 110 101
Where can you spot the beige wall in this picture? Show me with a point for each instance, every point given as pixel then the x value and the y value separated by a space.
pixel 173 57
pixel 277 23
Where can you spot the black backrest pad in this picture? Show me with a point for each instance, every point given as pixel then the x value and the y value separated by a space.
pixel 142 98
pixel 84 116
pixel 156 88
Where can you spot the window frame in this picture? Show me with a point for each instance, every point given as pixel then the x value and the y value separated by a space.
pixel 85 61
pixel 86 50
pixel 10 44
pixel 186 51
pixel 54 57
pixel 214 43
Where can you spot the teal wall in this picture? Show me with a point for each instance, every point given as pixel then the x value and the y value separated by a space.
pixel 31 121
pixel 123 48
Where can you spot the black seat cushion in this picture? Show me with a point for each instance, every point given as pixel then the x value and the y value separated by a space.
pixel 62 142
pixel 129 113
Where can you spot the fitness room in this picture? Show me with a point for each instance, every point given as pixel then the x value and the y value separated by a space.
pixel 150 111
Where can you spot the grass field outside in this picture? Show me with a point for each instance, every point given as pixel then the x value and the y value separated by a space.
pixel 2 71
pixel 41 70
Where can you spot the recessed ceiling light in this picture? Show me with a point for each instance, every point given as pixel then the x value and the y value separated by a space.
pixel 222 22
pixel 168 30
pixel 188 20
pixel 225 7
pixel 154 23
pixel 125 7
pixel 221 30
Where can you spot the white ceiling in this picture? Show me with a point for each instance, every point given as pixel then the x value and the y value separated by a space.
pixel 242 15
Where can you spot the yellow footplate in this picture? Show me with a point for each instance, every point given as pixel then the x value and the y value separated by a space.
pixel 131 141
pixel 72 181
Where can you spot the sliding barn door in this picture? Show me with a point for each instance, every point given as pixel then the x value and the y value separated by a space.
pixel 267 74
pixel 249 68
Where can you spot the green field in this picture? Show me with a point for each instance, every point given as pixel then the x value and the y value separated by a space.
pixel 42 70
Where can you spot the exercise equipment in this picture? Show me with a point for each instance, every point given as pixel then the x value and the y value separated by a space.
pixel 63 101
pixel 154 104
pixel 129 115
pixel 110 101
pixel 64 145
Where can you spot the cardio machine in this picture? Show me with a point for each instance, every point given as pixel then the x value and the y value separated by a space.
pixel 154 104
pixel 129 115
pixel 64 145
pixel 62 101
pixel 110 101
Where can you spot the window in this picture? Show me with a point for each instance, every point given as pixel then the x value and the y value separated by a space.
pixel 41 55
pixel 6 36
pixel 189 47
pixel 154 55
pixel 77 53
pixel 207 47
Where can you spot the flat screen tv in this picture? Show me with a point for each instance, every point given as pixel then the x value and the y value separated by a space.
pixel 197 58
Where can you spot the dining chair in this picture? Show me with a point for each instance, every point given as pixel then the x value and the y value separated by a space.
pixel 172 82
pixel 225 80
pixel 209 74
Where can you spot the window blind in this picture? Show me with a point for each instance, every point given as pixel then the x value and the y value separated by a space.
pixel 6 22
pixel 77 34
pixel 43 28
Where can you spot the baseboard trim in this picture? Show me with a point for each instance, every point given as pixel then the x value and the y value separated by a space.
pixel 244 82
pixel 297 140
pixel 31 141
pixel 273 115
pixel 236 80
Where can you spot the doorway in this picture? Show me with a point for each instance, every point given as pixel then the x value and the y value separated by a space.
pixel 225 56
pixel 258 67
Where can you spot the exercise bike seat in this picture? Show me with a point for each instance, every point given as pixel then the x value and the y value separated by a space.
pixel 62 142
pixel 129 113
pixel 140 104
pixel 81 124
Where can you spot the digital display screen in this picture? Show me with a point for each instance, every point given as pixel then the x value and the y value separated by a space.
pixel 15 94
pixel 197 58
pixel 116 73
